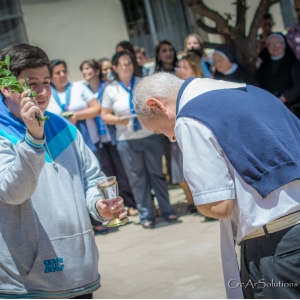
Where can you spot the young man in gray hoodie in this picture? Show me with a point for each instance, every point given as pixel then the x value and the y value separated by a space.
pixel 47 188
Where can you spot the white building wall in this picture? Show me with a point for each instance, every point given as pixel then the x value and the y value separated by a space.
pixel 75 30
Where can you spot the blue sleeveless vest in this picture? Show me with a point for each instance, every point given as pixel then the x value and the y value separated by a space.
pixel 258 134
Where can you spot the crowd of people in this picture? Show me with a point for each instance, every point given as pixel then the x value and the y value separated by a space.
pixel 116 119
pixel 102 109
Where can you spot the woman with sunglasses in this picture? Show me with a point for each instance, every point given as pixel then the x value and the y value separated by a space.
pixel 140 150
pixel 106 69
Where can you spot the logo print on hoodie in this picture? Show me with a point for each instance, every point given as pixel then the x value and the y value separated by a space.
pixel 53 265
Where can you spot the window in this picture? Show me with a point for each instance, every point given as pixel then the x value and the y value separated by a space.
pixel 149 21
pixel 12 29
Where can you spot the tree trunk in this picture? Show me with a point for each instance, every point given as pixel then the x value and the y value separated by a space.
pixel 243 46
pixel 244 50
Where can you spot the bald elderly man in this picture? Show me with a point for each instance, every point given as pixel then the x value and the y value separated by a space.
pixel 241 159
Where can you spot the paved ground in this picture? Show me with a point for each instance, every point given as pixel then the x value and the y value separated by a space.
pixel 175 261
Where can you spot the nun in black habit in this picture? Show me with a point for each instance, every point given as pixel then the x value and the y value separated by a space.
pixel 280 73
pixel 227 68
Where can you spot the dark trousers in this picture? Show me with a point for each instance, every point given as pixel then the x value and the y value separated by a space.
pixel 270 265
pixel 142 159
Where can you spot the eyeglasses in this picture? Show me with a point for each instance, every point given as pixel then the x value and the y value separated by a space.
pixel 109 68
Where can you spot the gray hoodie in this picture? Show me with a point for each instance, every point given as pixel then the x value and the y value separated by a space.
pixel 47 188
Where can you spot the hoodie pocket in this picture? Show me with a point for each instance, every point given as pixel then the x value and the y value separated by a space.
pixel 64 264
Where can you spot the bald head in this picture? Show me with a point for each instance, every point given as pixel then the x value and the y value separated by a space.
pixel 161 86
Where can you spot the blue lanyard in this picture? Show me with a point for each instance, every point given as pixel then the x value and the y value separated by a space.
pixel 136 124
pixel 130 91
pixel 65 106
pixel 101 126
pixel 100 90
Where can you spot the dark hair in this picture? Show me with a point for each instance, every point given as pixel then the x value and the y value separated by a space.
pixel 115 62
pixel 56 62
pixel 24 56
pixel 128 47
pixel 92 63
pixel 100 63
pixel 102 60
pixel 158 63
pixel 138 49
pixel 267 16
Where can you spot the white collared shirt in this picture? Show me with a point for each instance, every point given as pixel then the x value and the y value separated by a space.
pixel 211 177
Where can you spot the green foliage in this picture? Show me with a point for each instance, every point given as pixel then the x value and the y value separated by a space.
pixel 31 94
pixel 8 80
pixel 7 60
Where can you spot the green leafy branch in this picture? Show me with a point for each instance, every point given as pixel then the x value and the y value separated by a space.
pixel 8 80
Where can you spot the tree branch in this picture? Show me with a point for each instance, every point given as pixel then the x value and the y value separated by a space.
pixel 241 8
pixel 207 28
pixel 200 8
pixel 263 7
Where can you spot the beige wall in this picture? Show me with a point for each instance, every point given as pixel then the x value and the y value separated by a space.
pixel 224 6
pixel 75 30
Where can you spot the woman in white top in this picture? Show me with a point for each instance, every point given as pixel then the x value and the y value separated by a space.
pixel 77 103
pixel 140 151
pixel 110 159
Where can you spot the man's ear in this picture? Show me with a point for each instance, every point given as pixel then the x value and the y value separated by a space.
pixel 156 104
pixel 5 92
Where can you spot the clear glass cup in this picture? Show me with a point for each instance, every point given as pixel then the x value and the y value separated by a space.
pixel 108 188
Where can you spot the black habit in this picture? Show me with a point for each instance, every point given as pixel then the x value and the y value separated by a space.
pixel 240 75
pixel 282 77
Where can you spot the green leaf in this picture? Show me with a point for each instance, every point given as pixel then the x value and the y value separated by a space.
pixel 7 60
pixel 26 84
pixel 5 72
pixel 32 94
pixel 42 119
pixel 8 80
pixel 16 89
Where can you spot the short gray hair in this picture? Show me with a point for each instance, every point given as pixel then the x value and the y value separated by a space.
pixel 162 86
